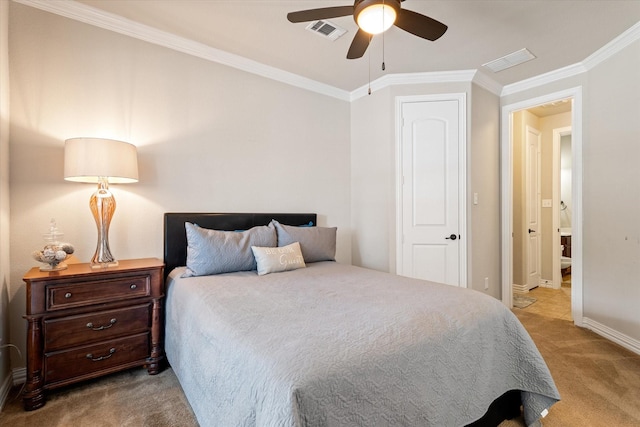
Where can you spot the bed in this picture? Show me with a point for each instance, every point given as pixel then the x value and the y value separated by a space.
pixel 327 344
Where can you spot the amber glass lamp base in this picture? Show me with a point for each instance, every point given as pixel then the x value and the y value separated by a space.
pixel 103 205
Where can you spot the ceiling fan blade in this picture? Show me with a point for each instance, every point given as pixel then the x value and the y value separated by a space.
pixel 420 25
pixel 323 13
pixel 359 45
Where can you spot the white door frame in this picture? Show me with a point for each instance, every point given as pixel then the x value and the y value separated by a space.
pixel 461 98
pixel 506 159
pixel 558 133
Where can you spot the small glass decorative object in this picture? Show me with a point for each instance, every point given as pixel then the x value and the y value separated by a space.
pixel 55 251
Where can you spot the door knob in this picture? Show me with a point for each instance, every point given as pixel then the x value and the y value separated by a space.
pixel 531 231
pixel 452 237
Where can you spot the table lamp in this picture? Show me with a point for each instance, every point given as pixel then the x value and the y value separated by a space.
pixel 101 161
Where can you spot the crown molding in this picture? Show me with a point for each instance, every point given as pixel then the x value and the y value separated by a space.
pixel 599 56
pixel 413 79
pixel 92 16
pixel 613 47
pixel 108 21
pixel 118 24
pixel 542 79
pixel 483 80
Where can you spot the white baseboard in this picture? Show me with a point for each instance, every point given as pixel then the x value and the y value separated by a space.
pixel 16 377
pixel 520 289
pixel 546 283
pixel 19 376
pixel 4 391
pixel 619 338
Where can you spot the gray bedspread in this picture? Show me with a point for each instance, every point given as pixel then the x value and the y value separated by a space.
pixel 337 345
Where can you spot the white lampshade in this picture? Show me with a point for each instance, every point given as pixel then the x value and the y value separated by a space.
pixel 90 159
pixel 376 18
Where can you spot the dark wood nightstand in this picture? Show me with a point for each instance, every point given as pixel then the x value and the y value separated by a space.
pixel 84 323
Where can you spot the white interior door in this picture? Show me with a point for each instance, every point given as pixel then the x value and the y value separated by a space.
pixel 431 206
pixel 533 245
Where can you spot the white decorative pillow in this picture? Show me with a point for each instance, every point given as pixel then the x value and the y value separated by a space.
pixel 273 260
pixel 215 251
pixel 316 243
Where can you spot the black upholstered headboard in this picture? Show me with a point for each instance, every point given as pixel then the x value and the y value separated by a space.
pixel 175 236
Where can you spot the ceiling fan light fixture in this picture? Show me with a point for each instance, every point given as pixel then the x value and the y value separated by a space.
pixel 376 17
pixel 382 14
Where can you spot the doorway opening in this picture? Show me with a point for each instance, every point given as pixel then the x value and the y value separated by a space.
pixel 540 209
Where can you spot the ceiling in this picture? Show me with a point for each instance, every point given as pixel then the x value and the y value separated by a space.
pixel 552 108
pixel 559 33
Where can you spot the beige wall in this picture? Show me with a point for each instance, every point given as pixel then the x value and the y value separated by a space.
pixel 210 138
pixel 547 125
pixel 483 158
pixel 373 168
pixel 373 179
pixel 4 191
pixel 611 188
pixel 612 193
pixel 215 139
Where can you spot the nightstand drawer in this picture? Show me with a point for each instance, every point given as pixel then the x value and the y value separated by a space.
pixel 94 292
pixel 64 365
pixel 93 327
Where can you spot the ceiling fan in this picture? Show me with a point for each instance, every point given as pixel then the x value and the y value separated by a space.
pixel 375 17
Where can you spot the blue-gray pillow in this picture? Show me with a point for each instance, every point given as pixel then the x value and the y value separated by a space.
pixel 215 252
pixel 316 243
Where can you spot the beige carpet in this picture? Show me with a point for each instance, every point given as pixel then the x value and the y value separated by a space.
pixel 132 398
pixel 599 383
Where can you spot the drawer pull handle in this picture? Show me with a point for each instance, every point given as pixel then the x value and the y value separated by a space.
pixel 100 328
pixel 97 359
pixel 133 287
pixel 67 295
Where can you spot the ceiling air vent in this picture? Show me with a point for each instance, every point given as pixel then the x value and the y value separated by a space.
pixel 510 60
pixel 326 29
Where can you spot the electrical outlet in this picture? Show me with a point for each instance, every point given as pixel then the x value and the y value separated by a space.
pixel 486 283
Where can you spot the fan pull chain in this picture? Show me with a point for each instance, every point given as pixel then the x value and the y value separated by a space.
pixel 369 57
pixel 383 66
